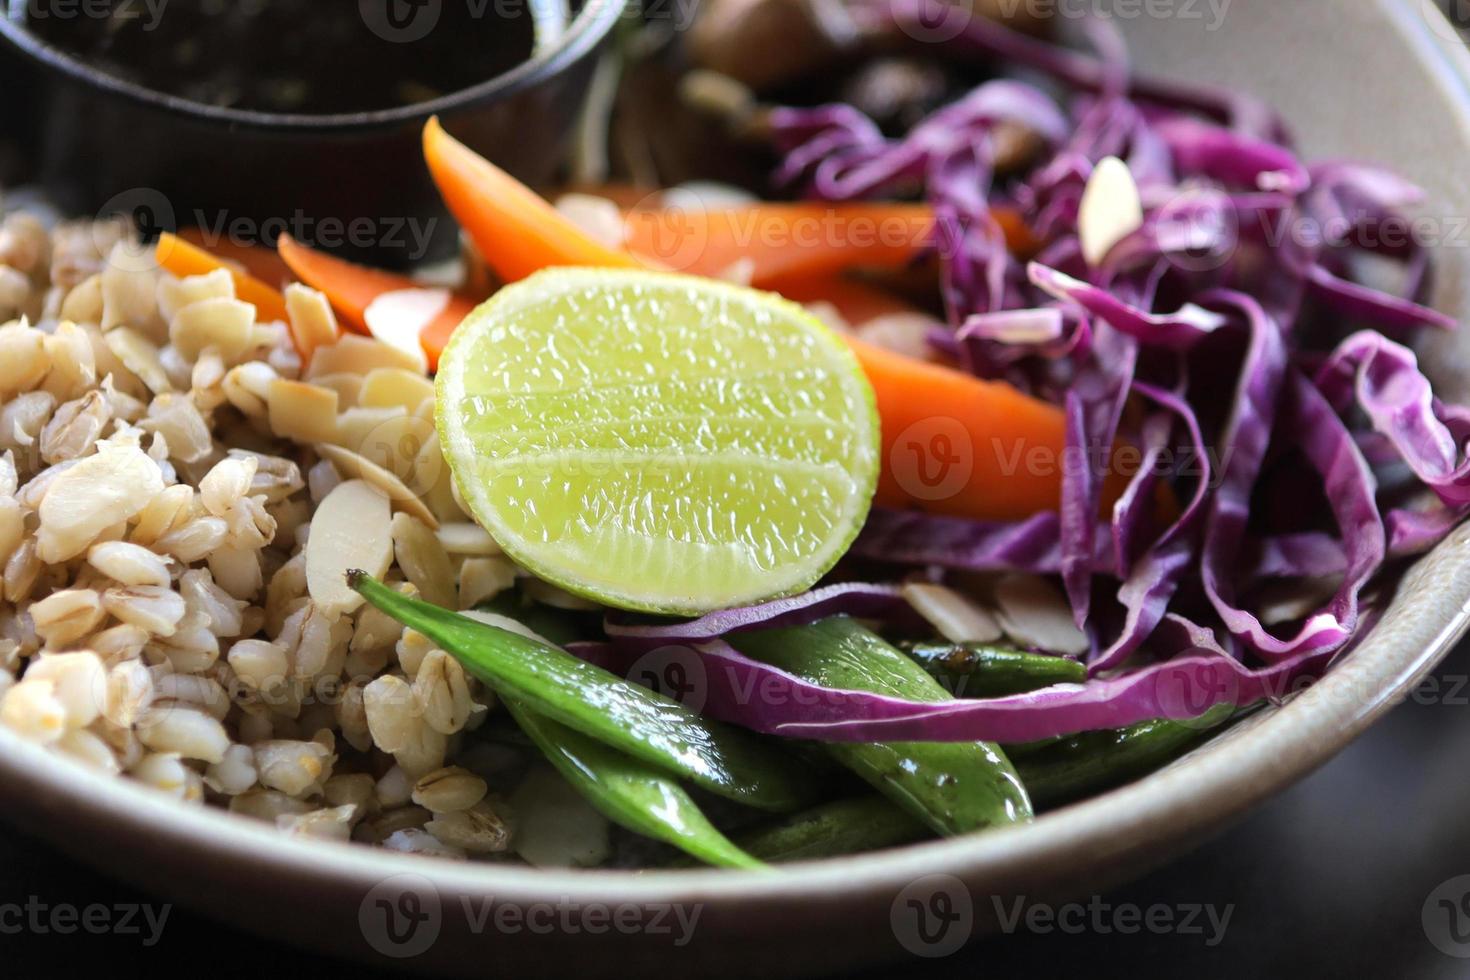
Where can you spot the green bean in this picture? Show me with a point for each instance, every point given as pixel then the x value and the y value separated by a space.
pixel 646 725
pixel 867 823
pixel 630 792
pixel 1089 762
pixel 981 670
pixel 953 787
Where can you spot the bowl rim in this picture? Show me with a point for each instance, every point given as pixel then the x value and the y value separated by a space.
pixel 586 30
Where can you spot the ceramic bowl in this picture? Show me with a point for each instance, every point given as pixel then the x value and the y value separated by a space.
pixel 1373 79
pixel 101 144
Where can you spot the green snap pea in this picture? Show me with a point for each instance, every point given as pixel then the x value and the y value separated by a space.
pixel 1089 762
pixel 630 792
pixel 953 787
pixel 852 826
pixel 982 670
pixel 646 725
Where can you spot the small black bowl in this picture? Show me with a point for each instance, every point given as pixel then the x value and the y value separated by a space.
pixel 350 183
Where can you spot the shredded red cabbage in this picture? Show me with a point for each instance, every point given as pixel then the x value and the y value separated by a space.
pixel 1230 327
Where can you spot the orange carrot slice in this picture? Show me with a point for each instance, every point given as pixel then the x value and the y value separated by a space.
pixel 185 259
pixel 352 288
pixel 855 301
pixel 260 261
pixel 780 240
pixel 959 445
pixel 514 228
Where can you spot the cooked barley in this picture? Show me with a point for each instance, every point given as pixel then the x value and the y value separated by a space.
pixel 32 710
pixel 185 731
pixel 412 840
pixel 64 617
pixel 79 684
pixel 234 773
pixel 394 788
pixel 482 829
pixel 449 789
pixel 291 766
pixel 155 608
pixel 89 749
pixel 129 564
pixel 331 824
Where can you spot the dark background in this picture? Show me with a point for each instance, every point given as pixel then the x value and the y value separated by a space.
pixel 1327 880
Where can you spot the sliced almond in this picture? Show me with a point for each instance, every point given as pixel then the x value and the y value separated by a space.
pixel 431 475
pixel 1290 600
pixel 351 529
pixel 355 354
pixel 140 356
pixel 1110 209
pixel 357 427
pixel 313 324
pixel 423 559
pixel 464 538
pixel 599 217
pixel 398 319
pixel 351 466
pixel 956 617
pixel 1035 614
pixel 904 333
pixel 175 294
pixel 557 827
pixel 302 412
pixel 223 324
pixel 347 386
pixel 558 598
pixel 395 388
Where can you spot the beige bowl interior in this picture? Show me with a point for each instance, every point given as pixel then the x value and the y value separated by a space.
pixel 1373 79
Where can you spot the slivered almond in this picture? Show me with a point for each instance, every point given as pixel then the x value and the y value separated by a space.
pixel 1032 612
pixel 1110 209
pixel 351 466
pixel 351 529
pixel 302 412
pixel 957 619
pixel 398 319
pixel 395 388
pixel 354 354
pixel 313 324
pixel 221 323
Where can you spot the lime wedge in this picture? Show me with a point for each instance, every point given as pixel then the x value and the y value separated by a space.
pixel 658 442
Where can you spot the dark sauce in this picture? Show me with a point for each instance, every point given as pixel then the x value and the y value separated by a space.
pixel 299 56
